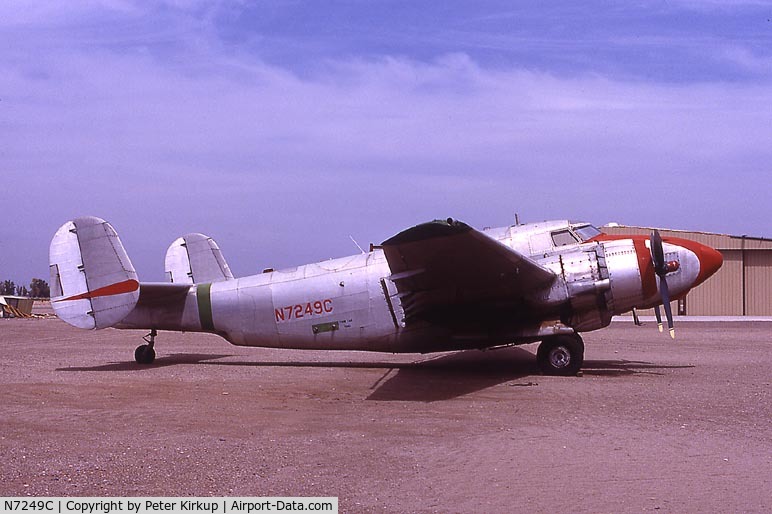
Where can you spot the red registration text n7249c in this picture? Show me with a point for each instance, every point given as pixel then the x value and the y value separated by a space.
pixel 303 310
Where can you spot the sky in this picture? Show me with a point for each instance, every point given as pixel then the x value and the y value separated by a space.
pixel 285 128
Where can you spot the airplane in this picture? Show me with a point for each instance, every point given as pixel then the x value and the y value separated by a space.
pixel 438 286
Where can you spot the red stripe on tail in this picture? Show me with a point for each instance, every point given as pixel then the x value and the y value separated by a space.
pixel 127 286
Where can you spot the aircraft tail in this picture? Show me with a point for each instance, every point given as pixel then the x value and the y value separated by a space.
pixel 194 259
pixel 93 283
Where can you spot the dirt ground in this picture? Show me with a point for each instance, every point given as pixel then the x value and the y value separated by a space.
pixel 651 425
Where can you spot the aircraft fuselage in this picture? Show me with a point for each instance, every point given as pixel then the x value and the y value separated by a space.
pixel 351 303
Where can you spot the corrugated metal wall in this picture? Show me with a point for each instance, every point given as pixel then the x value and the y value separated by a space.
pixel 758 283
pixel 721 294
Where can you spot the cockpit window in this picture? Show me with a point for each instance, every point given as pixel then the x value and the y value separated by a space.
pixel 586 232
pixel 563 238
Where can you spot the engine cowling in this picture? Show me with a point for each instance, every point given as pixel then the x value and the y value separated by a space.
pixel 590 300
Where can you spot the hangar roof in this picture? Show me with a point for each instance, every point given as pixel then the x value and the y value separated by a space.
pixel 717 241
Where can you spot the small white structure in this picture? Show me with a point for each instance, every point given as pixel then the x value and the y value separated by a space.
pixel 16 307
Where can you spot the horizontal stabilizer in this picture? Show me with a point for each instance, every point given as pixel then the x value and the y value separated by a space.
pixel 93 283
pixel 195 258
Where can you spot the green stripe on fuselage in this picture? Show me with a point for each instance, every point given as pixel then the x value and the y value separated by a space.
pixel 203 296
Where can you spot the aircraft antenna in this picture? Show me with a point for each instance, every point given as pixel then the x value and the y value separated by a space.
pixel 357 244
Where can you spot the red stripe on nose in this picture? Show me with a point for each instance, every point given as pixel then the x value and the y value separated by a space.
pixel 646 267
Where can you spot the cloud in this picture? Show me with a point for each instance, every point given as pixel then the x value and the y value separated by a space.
pixel 747 60
pixel 282 165
pixel 448 114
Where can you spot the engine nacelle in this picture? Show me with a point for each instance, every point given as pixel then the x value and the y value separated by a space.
pixel 588 286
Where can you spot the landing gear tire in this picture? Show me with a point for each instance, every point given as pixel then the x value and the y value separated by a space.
pixel 144 354
pixel 561 355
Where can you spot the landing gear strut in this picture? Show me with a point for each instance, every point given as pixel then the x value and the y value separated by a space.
pixel 145 354
pixel 561 355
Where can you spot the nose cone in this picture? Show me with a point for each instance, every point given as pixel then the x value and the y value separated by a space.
pixel 710 261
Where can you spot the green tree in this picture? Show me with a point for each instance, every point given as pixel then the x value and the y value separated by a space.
pixel 38 288
pixel 22 291
pixel 8 287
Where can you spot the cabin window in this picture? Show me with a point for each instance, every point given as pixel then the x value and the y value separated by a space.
pixel 563 238
pixel 587 232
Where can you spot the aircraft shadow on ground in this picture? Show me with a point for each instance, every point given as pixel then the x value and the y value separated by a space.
pixel 161 362
pixel 454 375
pixel 460 373
pixel 433 379
pixel 615 368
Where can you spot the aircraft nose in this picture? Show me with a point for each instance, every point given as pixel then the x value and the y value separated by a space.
pixel 710 261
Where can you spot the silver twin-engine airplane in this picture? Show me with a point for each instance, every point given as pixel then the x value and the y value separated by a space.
pixel 435 287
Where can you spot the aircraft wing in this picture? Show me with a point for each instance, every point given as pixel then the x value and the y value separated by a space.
pixel 445 264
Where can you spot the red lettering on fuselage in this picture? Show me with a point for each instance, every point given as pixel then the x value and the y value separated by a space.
pixel 303 310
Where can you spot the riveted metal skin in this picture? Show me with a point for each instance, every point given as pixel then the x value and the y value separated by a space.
pixel 438 286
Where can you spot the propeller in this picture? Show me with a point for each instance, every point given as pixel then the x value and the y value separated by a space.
pixel 661 268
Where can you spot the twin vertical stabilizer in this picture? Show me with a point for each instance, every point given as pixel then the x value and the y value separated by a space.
pixel 195 259
pixel 93 283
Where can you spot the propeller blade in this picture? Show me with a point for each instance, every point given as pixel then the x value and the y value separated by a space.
pixel 660 268
pixel 665 293
pixel 657 253
pixel 659 317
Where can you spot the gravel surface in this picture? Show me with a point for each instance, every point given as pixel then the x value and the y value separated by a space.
pixel 651 425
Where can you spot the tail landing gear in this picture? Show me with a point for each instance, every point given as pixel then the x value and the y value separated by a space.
pixel 561 355
pixel 145 354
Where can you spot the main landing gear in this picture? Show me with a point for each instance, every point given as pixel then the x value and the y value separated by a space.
pixel 561 355
pixel 145 354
